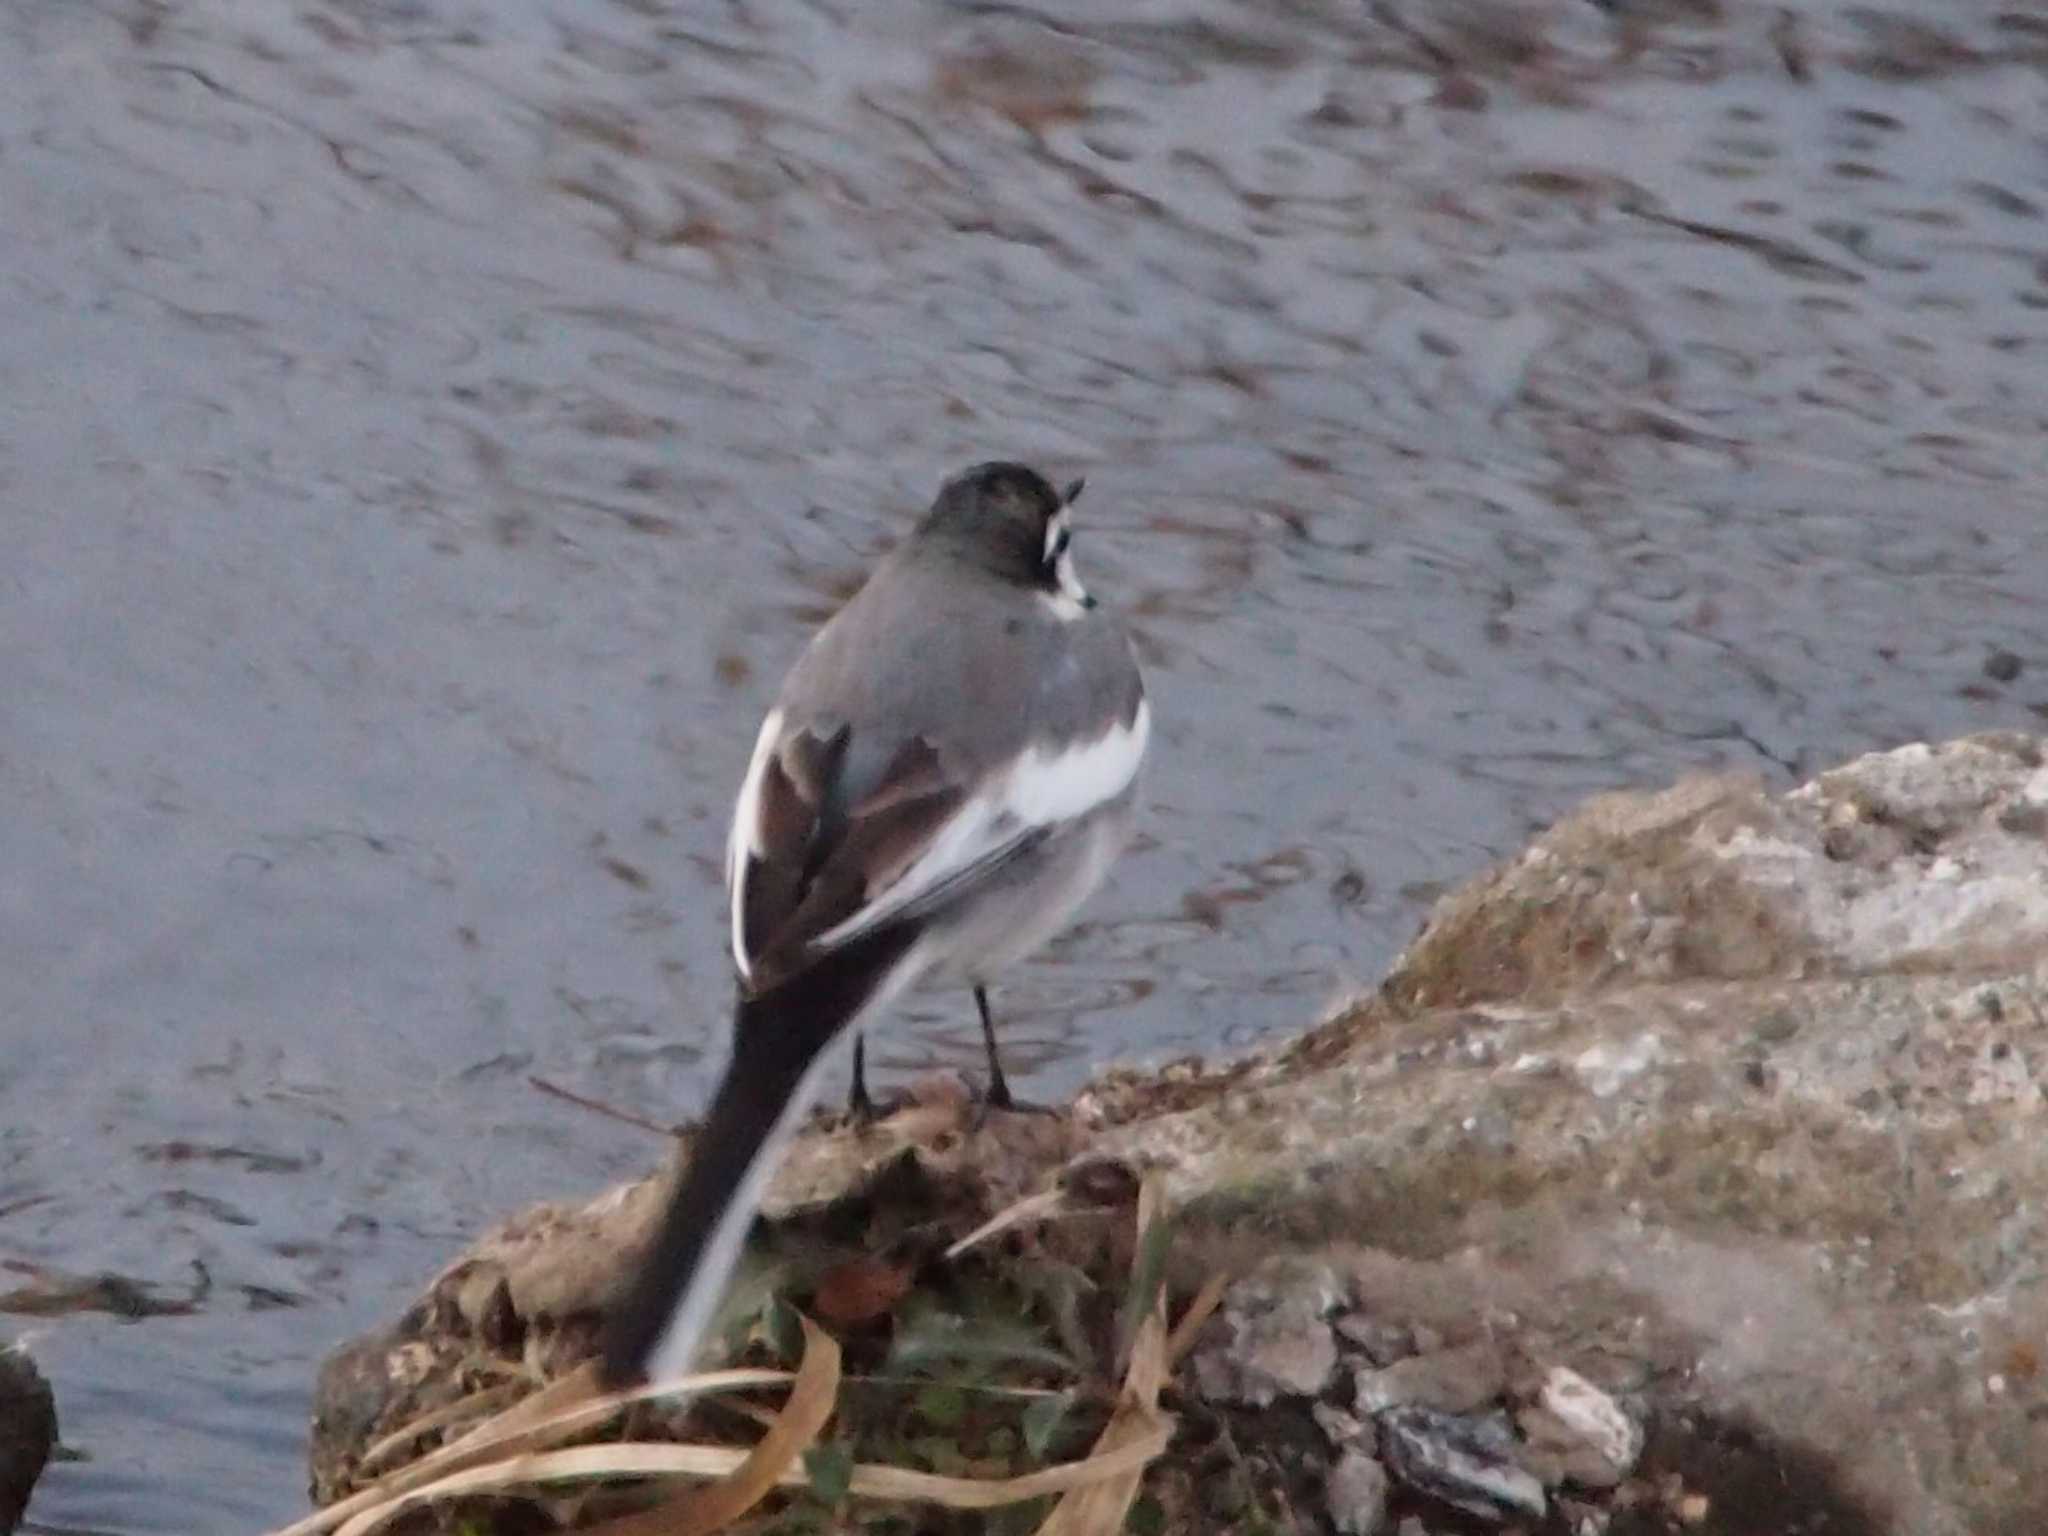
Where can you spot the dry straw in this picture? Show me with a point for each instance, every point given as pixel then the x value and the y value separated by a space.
pixel 524 1448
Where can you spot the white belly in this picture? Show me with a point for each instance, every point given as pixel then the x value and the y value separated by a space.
pixel 1031 901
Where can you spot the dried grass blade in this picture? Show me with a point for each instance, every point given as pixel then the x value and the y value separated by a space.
pixel 484 1403
pixel 874 1481
pixel 591 1463
pixel 558 1412
pixel 1030 1208
pixel 1101 1508
pixel 563 1395
pixel 812 1397
pixel 640 1459
pixel 1199 1311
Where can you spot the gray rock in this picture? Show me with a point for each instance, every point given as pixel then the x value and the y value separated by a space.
pixel 1576 1433
pixel 1469 1463
pixel 1357 1495
pixel 1900 858
pixel 1450 1381
pixel 1382 1343
pixel 1275 1339
pixel 1343 1430
pixel 1786 1164
pixel 1740 1093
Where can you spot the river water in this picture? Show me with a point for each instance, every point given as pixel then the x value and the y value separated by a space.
pixel 428 428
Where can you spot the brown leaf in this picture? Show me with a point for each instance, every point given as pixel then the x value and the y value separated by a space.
pixel 859 1291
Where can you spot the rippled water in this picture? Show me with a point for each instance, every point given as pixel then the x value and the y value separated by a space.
pixel 428 428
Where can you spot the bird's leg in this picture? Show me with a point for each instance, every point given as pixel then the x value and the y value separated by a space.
pixel 860 1108
pixel 998 1094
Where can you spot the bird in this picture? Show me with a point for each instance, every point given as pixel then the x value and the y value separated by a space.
pixel 948 771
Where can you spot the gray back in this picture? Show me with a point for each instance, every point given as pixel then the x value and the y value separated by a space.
pixel 981 668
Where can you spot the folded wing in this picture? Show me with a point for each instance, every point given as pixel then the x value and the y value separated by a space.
pixel 811 869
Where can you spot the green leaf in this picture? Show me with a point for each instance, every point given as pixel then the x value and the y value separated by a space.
pixel 943 1406
pixel 939 1453
pixel 829 1465
pixel 930 1338
pixel 756 1282
pixel 1021 1519
pixel 1143 1292
pixel 1147 1516
pixel 785 1332
pixel 1059 1288
pixel 1043 1421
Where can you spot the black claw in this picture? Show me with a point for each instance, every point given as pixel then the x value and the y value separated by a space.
pixel 987 1103
pixel 998 1099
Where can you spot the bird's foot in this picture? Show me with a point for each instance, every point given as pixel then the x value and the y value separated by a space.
pixel 997 1099
pixel 863 1112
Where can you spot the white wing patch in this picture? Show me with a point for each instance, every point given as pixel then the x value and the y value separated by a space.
pixel 744 840
pixel 1045 786
pixel 1040 789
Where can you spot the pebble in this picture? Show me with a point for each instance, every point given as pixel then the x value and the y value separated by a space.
pixel 1275 1340
pixel 1344 1431
pixel 1382 1343
pixel 1357 1495
pixel 1576 1433
pixel 1451 1381
pixel 1470 1463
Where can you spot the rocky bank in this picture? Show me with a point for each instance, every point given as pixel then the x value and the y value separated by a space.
pixel 1687 1173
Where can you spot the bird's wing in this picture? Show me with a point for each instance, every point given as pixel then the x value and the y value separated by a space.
pixel 811 870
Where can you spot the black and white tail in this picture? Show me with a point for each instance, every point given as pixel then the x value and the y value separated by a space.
pixel 779 1048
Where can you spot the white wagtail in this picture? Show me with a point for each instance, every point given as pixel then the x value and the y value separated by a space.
pixel 950 769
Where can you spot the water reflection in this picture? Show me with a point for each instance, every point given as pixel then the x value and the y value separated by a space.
pixel 431 429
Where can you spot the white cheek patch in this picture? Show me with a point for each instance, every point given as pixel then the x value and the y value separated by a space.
pixel 1071 599
pixel 1058 528
pixel 1070 585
